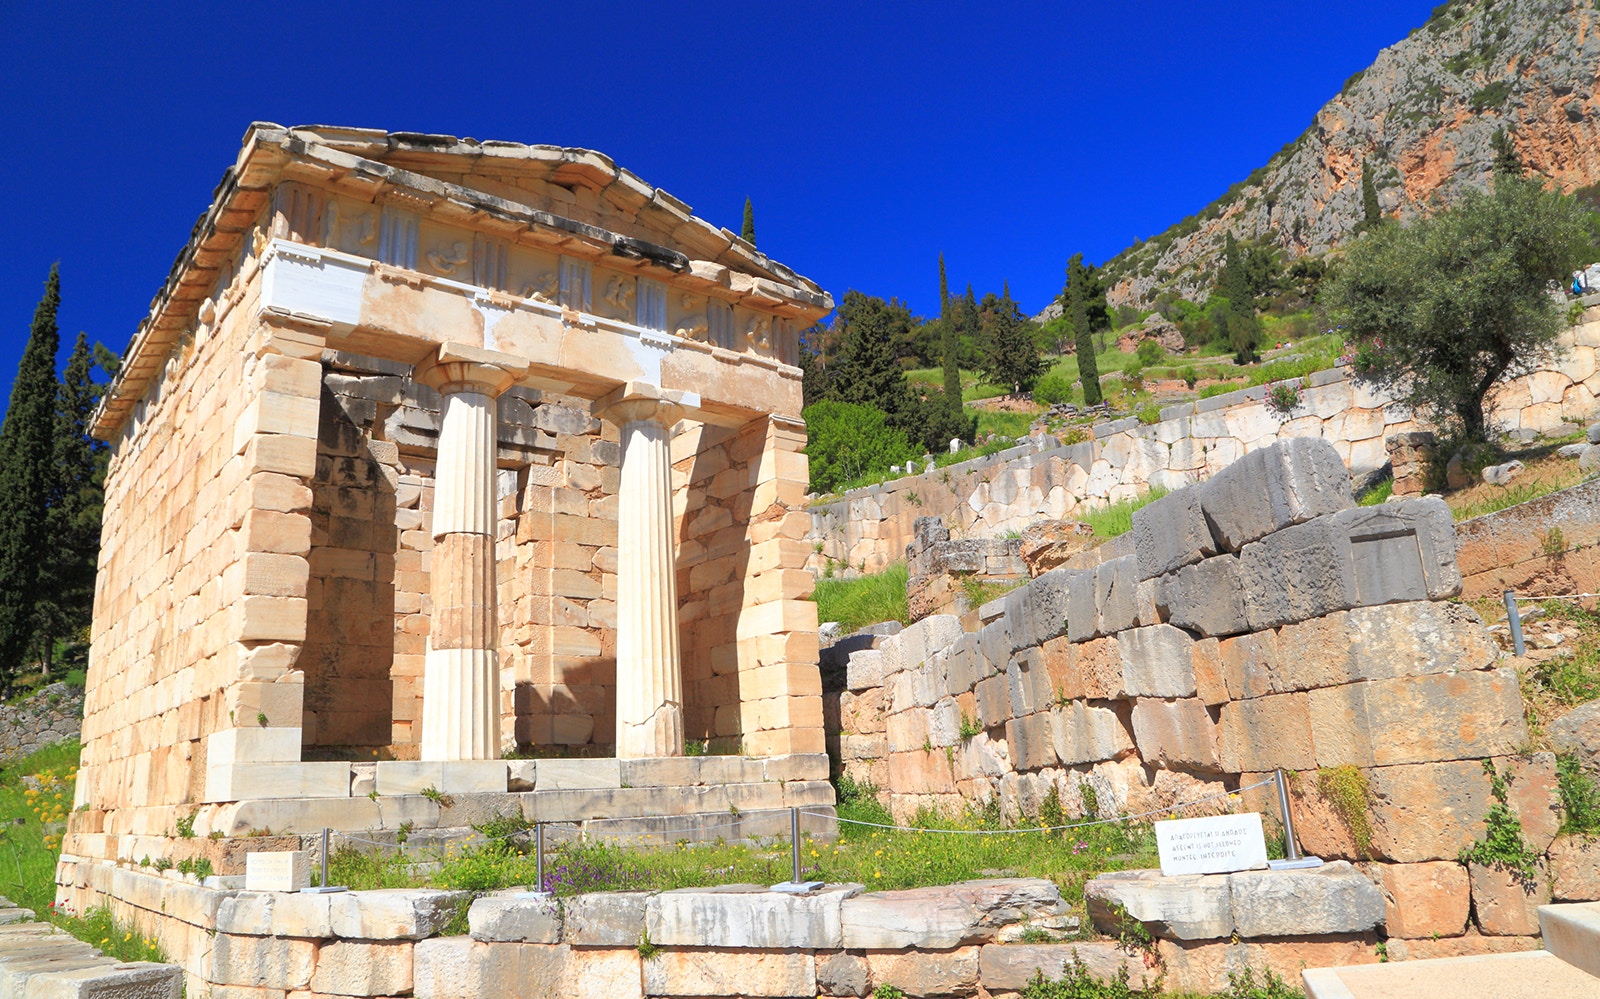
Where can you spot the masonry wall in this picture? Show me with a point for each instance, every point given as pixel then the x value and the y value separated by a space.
pixel 1259 622
pixel 1549 545
pixel 867 528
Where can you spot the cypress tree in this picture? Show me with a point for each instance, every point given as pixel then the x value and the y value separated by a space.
pixel 747 232
pixel 66 587
pixel 949 338
pixel 1372 214
pixel 1244 330
pixel 1076 297
pixel 1506 160
pixel 1011 350
pixel 27 452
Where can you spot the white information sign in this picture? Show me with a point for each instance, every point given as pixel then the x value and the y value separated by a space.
pixel 288 870
pixel 1215 844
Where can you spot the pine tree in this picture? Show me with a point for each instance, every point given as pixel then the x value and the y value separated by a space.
pixel 1077 297
pixel 1011 348
pixel 66 586
pixel 1372 214
pixel 1244 329
pixel 27 451
pixel 866 371
pixel 949 338
pixel 747 232
pixel 1506 160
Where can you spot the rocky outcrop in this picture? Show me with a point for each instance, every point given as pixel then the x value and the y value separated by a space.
pixel 1424 114
pixel 52 715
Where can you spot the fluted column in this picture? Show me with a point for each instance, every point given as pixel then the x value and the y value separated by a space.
pixel 649 672
pixel 461 675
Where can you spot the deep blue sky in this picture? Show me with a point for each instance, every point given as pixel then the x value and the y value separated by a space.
pixel 870 136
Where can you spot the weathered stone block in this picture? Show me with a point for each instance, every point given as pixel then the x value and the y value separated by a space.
pixel 841 973
pixel 1206 597
pixel 1083 618
pixel 505 917
pixel 1424 900
pixel 1272 488
pixel 1097 670
pixel 262 962
pixel 1171 533
pixel 1028 684
pixel 605 919
pixel 918 973
pixel 1040 608
pixel 1116 584
pixel 1157 661
pixel 1292 575
pixel 747 916
pixel 1082 733
pixel 1578 732
pixel 1505 906
pixel 1188 907
pixel 967 912
pixel 866 668
pixel 1421 719
pixel 1427 811
pixel 994 701
pixel 573 775
pixel 1333 898
pixel 963 667
pixel 1029 741
pixel 691 972
pixel 1264 733
pixel 1575 868
pixel 362 968
pixel 1010 967
pixel 392 913
pixel 1176 734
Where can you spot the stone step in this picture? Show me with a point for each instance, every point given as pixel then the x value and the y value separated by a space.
pixel 1572 933
pixel 1534 974
pixel 39 959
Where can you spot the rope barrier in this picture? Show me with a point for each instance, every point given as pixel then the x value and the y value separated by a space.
pixel 742 820
pixel 1040 829
pixel 1557 596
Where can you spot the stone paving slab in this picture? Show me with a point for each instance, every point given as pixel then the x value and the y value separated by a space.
pixel 1534 974
pixel 39 960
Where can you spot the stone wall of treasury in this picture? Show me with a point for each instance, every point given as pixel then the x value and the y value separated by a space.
pixel 1260 621
pixel 867 528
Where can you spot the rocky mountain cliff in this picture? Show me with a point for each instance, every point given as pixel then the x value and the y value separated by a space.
pixel 1425 113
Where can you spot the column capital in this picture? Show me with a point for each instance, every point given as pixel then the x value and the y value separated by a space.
pixel 460 367
pixel 633 401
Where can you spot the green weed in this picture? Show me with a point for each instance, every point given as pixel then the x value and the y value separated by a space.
pixel 856 603
pixel 1503 846
pixel 1580 796
pixel 1378 494
pixel 1117 518
pixel 1346 789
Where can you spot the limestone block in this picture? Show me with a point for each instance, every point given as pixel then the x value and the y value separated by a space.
pixel 795 766
pixel 945 917
pixel 568 775
pixel 1575 868
pixel 747 916
pixel 253 744
pixel 1410 639
pixel 463 968
pixel 1171 533
pixel 1264 733
pixel 1292 575
pixel 261 962
pixel 1010 967
pixel 396 777
pixel 1029 740
pixel 994 643
pixel 362 968
pixel 286 870
pixel 866 668
pixel 963 668
pixel 907 730
pixel 392 913
pixel 918 973
pixel 1204 966
pixel 1206 597
pixel 1157 661
pixel 1081 733
pixel 1272 488
pixel 1422 719
pixel 1578 732
pixel 1095 670
pixel 1424 900
pixel 1333 898
pixel 505 917
pixel 94 979
pixel 1187 907
pixel 608 973
pixel 1116 599
pixel 605 919
pixel 1028 684
pixel 1176 734
pixel 993 701
pixel 841 973
pixel 1504 906
pixel 1427 811
pixel 1209 673
pixel 1039 609
pixel 1248 662
pixel 240 781
pixel 730 973
pixel 1083 619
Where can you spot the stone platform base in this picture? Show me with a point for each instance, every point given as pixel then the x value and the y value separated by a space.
pixel 650 802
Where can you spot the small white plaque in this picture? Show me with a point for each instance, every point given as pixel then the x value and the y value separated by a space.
pixel 1215 844
pixel 287 870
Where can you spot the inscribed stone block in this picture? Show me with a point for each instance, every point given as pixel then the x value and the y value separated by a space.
pixel 287 870
pixel 1265 733
pixel 747 916
pixel 1272 488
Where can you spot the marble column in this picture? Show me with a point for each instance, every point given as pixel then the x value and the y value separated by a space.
pixel 649 671
pixel 461 675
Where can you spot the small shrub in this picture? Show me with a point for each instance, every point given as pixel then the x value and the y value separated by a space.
pixel 969 726
pixel 1346 790
pixel 887 991
pixel 1503 846
pixel 1190 376
pixel 1052 389
pixel 1580 796
pixel 1283 397
pixel 186 826
pixel 1244 985
pixel 1553 544
pixel 647 950
pixel 1151 413
pixel 1150 353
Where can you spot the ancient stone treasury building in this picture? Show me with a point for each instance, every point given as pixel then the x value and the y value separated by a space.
pixel 434 452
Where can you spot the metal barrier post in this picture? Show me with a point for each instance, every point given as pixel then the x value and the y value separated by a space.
pixel 538 854
pixel 1291 849
pixel 324 888
pixel 796 886
pixel 1514 619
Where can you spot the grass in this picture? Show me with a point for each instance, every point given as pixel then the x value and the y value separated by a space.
pixel 1378 494
pixel 1544 474
pixel 1005 423
pixel 29 849
pixel 1117 518
pixel 1574 678
pixel 856 603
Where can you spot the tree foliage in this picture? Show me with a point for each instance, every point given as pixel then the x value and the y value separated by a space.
pixel 1083 301
pixel 27 455
pixel 747 231
pixel 1371 213
pixel 1011 357
pixel 1238 282
pixel 1442 309
pixel 846 441
pixel 949 338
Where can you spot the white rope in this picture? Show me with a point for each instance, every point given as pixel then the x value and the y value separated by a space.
pixel 741 820
pixel 1555 596
pixel 1041 829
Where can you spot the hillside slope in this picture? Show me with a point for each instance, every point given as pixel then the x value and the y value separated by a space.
pixel 1426 112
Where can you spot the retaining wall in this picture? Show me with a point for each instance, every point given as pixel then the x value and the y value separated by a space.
pixel 1261 622
pixel 53 714
pixel 1545 546
pixel 867 528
